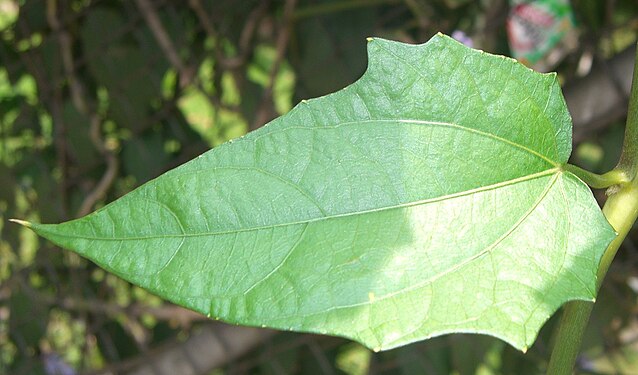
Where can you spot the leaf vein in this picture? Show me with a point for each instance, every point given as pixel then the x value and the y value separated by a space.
pixel 457 266
pixel 336 216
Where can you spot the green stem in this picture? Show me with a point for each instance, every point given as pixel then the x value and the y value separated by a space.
pixel 629 156
pixel 568 337
pixel 598 181
pixel 621 210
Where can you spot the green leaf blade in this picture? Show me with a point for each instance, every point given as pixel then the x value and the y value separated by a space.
pixel 426 198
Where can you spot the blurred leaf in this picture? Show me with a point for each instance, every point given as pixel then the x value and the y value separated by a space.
pixel 317 360
pixel 33 14
pixel 354 359
pixel 259 72
pixel 235 15
pixel 199 112
pixel 119 344
pixel 34 173
pixel 78 139
pixel 150 51
pixel 144 156
pixel 251 95
pixel 9 13
pixel 474 355
pixel 328 53
pixel 431 357
pixel 589 155
pixel 66 335
pixel 610 141
pixel 121 67
pixel 516 363
pixel 282 361
pixel 28 321
pixel 50 61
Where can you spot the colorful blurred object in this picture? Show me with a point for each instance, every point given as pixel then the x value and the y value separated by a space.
pixel 540 32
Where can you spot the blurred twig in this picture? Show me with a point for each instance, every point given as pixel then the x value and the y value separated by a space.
pixel 491 24
pixel 49 94
pixel 66 53
pixel 203 18
pixel 179 316
pixel 213 346
pixel 421 13
pixel 265 109
pixel 78 95
pixel 109 176
pixel 187 73
pixel 147 9
pixel 245 39
pixel 324 363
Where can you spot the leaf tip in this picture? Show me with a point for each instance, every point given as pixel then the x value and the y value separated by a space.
pixel 21 222
pixel 524 349
pixel 369 39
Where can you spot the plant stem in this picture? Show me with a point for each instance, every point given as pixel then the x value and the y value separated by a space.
pixel 629 156
pixel 598 181
pixel 568 337
pixel 621 210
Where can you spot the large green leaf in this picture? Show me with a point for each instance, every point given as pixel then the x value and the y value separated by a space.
pixel 426 198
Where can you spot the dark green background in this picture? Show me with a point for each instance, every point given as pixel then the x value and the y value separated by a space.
pixel 91 102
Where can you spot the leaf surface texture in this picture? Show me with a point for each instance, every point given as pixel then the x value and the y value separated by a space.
pixel 426 198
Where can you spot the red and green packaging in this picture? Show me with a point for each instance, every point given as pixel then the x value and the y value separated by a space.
pixel 540 32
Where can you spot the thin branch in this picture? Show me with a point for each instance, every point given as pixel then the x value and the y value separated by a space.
pixel 320 357
pixel 146 7
pixel 78 98
pixel 178 315
pixel 109 176
pixel 58 119
pixel 213 346
pixel 187 74
pixel 490 24
pixel 245 39
pixel 66 52
pixel 166 312
pixel 203 18
pixel 265 109
pixel 423 16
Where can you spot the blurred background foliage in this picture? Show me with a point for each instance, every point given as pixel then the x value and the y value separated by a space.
pixel 99 96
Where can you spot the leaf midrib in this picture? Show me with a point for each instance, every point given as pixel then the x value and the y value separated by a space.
pixel 422 122
pixel 454 267
pixel 529 177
